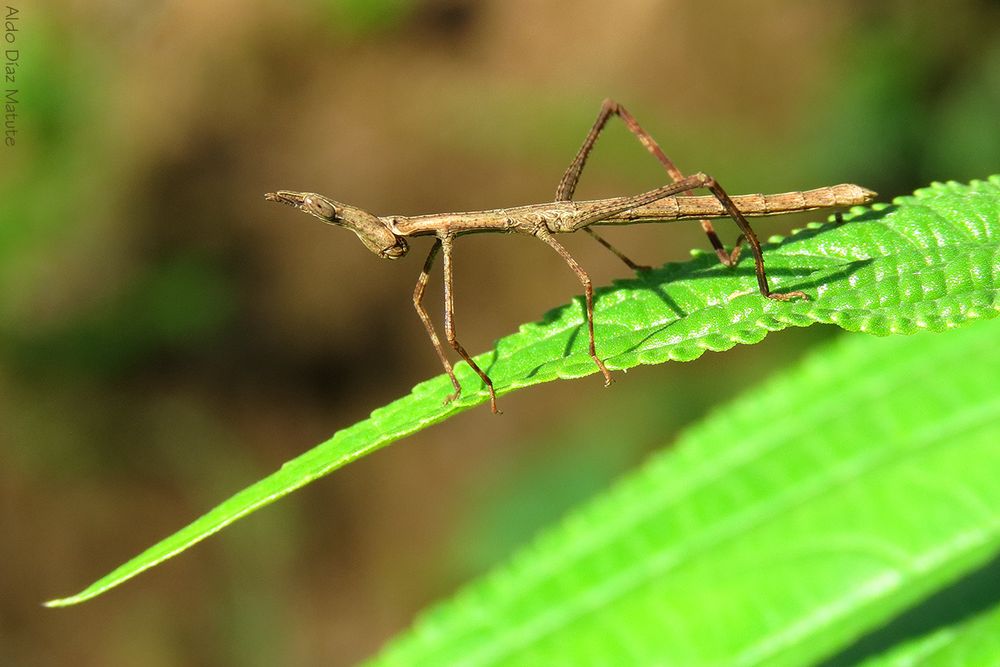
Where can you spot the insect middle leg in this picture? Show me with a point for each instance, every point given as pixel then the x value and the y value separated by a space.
pixel 588 288
pixel 567 186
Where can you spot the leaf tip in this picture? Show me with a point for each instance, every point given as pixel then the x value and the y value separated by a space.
pixel 84 595
pixel 62 602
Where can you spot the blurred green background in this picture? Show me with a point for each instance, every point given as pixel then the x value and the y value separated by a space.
pixel 168 337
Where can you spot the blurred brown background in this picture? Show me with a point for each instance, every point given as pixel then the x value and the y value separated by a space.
pixel 168 337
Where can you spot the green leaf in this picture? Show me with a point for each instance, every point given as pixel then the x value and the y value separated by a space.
pixel 929 261
pixel 790 522
pixel 973 642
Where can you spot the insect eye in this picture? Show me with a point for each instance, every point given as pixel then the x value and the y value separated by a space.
pixel 320 207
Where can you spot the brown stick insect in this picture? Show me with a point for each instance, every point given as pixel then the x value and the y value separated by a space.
pixel 386 235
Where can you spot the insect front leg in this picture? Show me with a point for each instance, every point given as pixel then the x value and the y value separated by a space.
pixel 418 298
pixel 446 242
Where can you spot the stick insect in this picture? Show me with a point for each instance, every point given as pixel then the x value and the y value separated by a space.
pixel 386 235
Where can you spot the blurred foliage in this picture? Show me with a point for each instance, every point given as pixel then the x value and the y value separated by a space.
pixel 361 17
pixel 175 308
pixel 918 115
